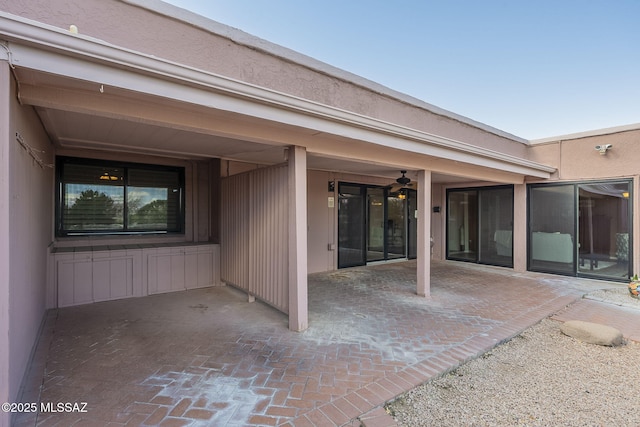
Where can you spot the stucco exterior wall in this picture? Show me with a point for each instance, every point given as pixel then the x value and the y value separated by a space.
pixel 30 215
pixel 438 221
pixel 577 158
pixel 214 47
pixel 4 241
pixel 321 222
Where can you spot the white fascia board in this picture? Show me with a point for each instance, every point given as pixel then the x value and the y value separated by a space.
pixel 587 134
pixel 49 49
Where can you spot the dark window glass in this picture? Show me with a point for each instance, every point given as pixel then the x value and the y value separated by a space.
pixel 480 225
pixel 107 197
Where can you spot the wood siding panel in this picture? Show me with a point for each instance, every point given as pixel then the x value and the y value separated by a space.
pixel 255 234
pixel 234 235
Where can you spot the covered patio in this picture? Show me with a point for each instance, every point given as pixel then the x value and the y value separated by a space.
pixel 210 357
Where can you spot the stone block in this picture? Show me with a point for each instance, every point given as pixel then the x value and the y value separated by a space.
pixel 592 333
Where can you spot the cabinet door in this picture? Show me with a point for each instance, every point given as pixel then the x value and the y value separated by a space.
pixel 112 279
pixel 74 278
pixel 177 270
pixel 166 271
pixel 159 273
pixel 198 268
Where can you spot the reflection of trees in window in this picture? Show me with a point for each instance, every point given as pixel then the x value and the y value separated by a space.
pixel 93 210
pixel 151 215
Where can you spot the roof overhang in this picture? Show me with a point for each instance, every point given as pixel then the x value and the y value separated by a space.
pixel 101 67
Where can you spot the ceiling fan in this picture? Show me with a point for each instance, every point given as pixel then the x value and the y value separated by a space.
pixel 401 183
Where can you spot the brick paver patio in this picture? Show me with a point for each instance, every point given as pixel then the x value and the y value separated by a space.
pixel 210 358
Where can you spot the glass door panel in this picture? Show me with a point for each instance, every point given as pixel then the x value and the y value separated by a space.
pixel 604 229
pixel 496 226
pixel 552 229
pixel 462 227
pixel 375 220
pixel 396 226
pixel 373 224
pixel 351 226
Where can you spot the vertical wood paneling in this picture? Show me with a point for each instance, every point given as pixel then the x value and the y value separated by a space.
pixel 234 235
pixel 255 235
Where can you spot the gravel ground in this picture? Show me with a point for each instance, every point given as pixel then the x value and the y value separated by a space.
pixel 539 378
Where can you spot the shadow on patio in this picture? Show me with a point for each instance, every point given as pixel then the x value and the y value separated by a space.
pixel 208 357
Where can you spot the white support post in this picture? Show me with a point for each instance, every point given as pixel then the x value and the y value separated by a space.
pixel 423 285
pixel 298 293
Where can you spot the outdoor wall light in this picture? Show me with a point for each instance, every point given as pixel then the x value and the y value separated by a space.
pixel 603 148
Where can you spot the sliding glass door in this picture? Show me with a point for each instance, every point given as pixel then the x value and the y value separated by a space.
pixel 396 223
pixel 462 227
pixel 604 229
pixel 351 226
pixel 552 218
pixel 375 221
pixel 480 225
pixel 373 224
pixel 581 229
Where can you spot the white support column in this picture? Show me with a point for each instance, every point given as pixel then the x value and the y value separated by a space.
pixel 423 287
pixel 298 295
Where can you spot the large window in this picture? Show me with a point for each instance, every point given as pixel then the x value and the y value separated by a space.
pixel 100 197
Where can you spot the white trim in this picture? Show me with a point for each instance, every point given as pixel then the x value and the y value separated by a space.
pixel 587 134
pixel 66 55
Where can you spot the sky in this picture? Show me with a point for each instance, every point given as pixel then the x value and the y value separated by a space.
pixel 535 69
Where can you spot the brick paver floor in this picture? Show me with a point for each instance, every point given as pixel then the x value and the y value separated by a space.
pixel 209 358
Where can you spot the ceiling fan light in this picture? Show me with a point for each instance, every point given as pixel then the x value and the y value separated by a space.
pixel 403 180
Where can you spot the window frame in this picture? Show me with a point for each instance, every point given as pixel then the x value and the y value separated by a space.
pixel 61 161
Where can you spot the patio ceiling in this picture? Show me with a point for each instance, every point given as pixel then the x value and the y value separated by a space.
pixel 73 127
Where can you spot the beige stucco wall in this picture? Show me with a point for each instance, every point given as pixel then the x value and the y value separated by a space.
pixel 577 159
pixel 438 221
pixel 321 222
pixel 30 223
pixel 240 56
pixel 5 225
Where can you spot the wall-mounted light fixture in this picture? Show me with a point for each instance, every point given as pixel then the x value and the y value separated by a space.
pixel 603 148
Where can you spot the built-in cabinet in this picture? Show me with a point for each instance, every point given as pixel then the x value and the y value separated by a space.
pixel 180 268
pixel 83 275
